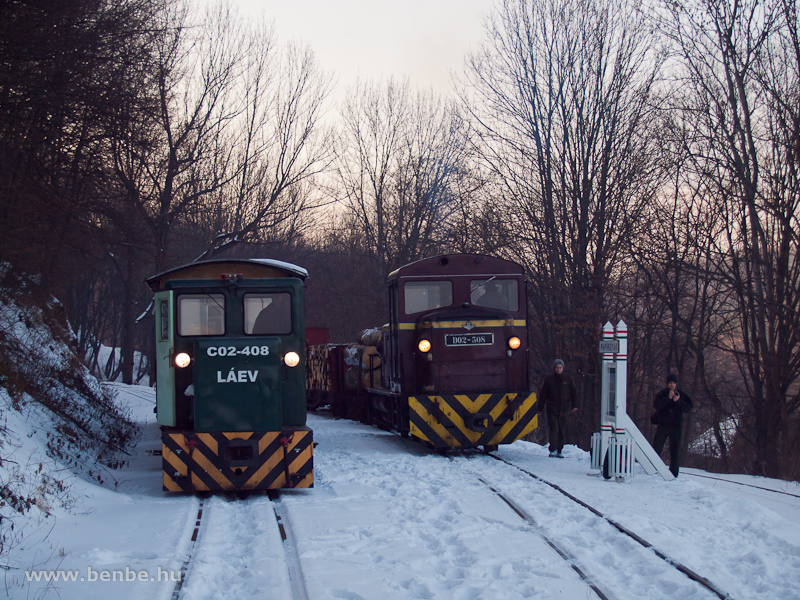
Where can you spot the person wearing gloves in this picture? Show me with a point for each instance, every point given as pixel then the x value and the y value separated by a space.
pixel 558 396
pixel 669 405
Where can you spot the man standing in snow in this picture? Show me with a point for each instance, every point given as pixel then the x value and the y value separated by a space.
pixel 670 404
pixel 559 397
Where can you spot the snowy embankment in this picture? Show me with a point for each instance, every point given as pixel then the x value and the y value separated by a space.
pixel 124 524
pixel 57 423
pixel 387 519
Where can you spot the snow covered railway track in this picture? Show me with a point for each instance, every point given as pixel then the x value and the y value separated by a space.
pixel 562 552
pixel 233 550
pixel 290 549
pixel 692 575
pixel 176 592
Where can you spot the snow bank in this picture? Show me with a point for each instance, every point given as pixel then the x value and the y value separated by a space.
pixel 56 421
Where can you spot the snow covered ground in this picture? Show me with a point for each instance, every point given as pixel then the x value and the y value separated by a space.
pixel 387 520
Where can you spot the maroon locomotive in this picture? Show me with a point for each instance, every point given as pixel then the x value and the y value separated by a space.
pixel 449 368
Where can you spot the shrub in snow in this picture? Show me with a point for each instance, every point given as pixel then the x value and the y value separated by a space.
pixel 56 417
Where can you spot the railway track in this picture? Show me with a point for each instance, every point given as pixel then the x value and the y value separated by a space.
pixel 290 548
pixel 565 554
pixel 510 484
pixel 234 527
pixel 750 485
pixel 561 551
pixel 176 592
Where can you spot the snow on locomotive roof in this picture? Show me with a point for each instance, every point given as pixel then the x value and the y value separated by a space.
pixel 299 271
pixel 207 269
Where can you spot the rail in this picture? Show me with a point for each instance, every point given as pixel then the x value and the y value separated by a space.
pixel 691 574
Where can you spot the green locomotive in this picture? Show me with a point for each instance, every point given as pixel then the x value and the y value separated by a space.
pixel 230 367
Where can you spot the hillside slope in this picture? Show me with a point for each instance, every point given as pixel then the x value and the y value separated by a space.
pixel 55 418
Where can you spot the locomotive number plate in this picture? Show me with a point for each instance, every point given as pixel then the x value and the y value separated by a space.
pixel 469 339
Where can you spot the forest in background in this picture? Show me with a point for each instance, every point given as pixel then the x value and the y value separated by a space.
pixel 639 159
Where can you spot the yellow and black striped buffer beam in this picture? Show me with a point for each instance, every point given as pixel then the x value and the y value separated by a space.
pixel 237 461
pixel 470 420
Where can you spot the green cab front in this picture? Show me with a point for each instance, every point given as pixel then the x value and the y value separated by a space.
pixel 230 348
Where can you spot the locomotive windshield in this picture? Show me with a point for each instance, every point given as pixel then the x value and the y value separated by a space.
pixel 495 293
pixel 420 296
pixel 201 314
pixel 268 314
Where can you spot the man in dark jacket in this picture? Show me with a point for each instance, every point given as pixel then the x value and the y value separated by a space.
pixel 559 397
pixel 670 404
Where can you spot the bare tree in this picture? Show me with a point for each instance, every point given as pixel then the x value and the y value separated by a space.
pixel 137 134
pixel 738 91
pixel 280 147
pixel 560 94
pixel 401 155
pixel 215 148
pixel 680 306
pixel 65 66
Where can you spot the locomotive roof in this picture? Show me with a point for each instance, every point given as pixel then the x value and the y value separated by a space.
pixel 457 264
pixel 215 268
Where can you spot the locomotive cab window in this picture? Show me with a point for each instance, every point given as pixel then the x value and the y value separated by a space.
pixel 495 293
pixel 420 296
pixel 268 314
pixel 201 314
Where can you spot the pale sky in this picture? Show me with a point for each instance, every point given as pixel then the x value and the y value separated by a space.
pixel 421 39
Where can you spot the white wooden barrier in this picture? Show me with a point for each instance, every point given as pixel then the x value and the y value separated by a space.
pixel 597 461
pixel 621 457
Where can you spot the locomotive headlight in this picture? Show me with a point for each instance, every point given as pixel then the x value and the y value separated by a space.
pixel 514 343
pixel 424 346
pixel 292 359
pixel 182 360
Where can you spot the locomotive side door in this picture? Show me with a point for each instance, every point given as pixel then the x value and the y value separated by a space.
pixel 392 347
pixel 165 370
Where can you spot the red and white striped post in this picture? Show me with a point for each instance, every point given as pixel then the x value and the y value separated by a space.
pixel 612 441
pixel 619 442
